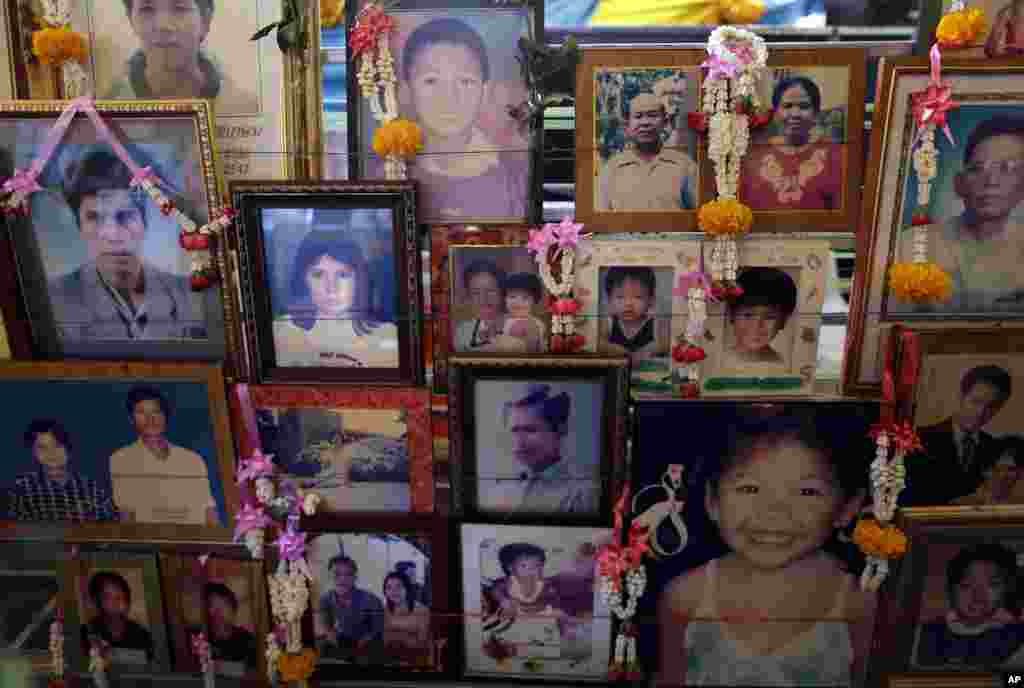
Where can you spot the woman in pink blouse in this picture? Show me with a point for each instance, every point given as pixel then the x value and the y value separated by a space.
pixel 801 168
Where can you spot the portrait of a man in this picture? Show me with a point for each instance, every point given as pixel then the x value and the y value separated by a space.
pixel 116 620
pixel 547 456
pixel 645 150
pixel 229 641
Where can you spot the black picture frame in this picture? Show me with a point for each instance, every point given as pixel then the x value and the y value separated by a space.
pixel 257 359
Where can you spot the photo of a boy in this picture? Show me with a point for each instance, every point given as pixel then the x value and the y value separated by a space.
pixel 523 293
pixel 629 325
pixel 758 316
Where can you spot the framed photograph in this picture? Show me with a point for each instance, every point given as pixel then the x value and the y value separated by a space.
pixel 766 341
pixel 954 604
pixel 223 597
pixel 99 269
pixel 329 279
pixel 531 603
pixel 370 448
pixel 380 598
pixel 449 314
pixel 1000 40
pixel 459 78
pixel 974 211
pixel 745 528
pixel 537 437
pixel 115 598
pixel 638 162
pixel 803 169
pixel 119 451
pixel 32 596
pixel 630 304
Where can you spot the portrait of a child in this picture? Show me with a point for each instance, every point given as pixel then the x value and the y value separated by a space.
pixel 629 322
pixel 523 293
pixel 757 317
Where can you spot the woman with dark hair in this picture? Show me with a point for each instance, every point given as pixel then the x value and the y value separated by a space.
pixel 329 320
pixel 757 317
pixel 171 62
pixel 484 283
pixel 406 621
pixel 112 597
pixel 978 629
pixel 800 167
pixel 53 491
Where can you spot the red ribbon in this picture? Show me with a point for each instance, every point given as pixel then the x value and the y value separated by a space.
pixel 898 381
pixel 931 105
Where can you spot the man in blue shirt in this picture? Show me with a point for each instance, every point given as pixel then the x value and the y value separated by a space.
pixel 352 618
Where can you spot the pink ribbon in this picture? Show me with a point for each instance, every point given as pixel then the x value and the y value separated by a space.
pixel 250 518
pixel 291 544
pixel 719 68
pixel 258 465
pixel 931 105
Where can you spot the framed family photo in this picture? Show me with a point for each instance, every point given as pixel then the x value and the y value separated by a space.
pixel 329 281
pixel 1000 39
pixel 115 598
pixel 749 581
pixel 537 437
pixel 531 603
pixel 460 80
pixel 99 268
pixel 368 449
pixel 119 451
pixel 973 206
pixel 29 576
pixel 380 597
pixel 637 160
pixel 449 288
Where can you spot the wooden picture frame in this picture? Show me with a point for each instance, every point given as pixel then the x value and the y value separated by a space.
pixel 192 402
pixel 390 415
pixel 73 316
pixel 986 91
pixel 30 576
pixel 569 383
pixel 277 304
pixel 326 542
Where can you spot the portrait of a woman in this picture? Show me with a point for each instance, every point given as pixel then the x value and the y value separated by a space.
pixel 484 284
pixel 406 621
pixel 172 62
pixel 329 321
pixel 800 167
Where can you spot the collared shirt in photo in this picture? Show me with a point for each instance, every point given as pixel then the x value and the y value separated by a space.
pixel 35 497
pixel 556 489
pixel 172 490
pixel 667 181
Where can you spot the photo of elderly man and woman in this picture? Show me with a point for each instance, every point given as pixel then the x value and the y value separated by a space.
pixel 371 599
pixel 968 415
pixel 532 605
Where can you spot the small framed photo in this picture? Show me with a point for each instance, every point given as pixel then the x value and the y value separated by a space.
pixel 330 281
pixel 631 306
pixel 223 597
pixel 766 341
pixel 748 515
pixel 380 596
pixel 480 161
pixel 954 605
pixel 449 314
pixel 1000 39
pixel 369 449
pixel 115 598
pixel 973 211
pixel 82 294
pixel 531 603
pixel 126 451
pixel 32 597
pixel 532 438
pixel 638 167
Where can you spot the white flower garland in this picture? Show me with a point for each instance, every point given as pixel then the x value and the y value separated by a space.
pixel 888 478
pixel 73 74
pixel 57 648
pixel 289 595
pixel 926 165
pixel 697 315
pixel 563 324
pixel 273 654
pixel 623 605
pixel 378 83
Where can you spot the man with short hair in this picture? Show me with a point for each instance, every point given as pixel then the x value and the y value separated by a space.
pixel 228 642
pixel 646 175
pixel 112 597
pixel 957 450
pixel 351 619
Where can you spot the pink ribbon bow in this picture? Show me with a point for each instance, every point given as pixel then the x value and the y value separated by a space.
pixel 931 105
pixel 250 518
pixel 23 182
pixel 719 68
pixel 259 465
pixel 291 544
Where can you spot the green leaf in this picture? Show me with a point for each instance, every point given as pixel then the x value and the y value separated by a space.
pixel 264 31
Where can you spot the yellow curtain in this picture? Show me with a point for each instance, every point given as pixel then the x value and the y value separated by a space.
pixel 676 12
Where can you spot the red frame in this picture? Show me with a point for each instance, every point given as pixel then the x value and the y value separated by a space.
pixel 245 399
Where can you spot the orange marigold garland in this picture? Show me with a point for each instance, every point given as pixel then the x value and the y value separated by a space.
pixel 961 27
pixel 297 667
pixel 57 45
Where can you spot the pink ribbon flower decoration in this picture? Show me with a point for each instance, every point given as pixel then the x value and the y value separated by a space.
pixel 902 436
pixel 541 239
pixel 291 544
pixel 695 278
pixel 20 186
pixel 259 465
pixel 719 67
pixel 931 105
pixel 201 648
pixel 568 233
pixel 250 518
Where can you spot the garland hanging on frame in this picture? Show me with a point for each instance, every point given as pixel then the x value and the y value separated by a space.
pixel 554 247
pixel 57 45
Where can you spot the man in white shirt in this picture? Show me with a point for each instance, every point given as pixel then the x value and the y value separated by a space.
pixel 155 481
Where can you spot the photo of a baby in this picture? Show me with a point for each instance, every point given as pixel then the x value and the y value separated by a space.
pixel 636 311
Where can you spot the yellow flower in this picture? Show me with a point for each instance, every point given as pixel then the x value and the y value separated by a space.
pixel 331 12
pixel 875 541
pixel 296 667
pixel 742 11
pixel 961 28
pixel 55 46
pixel 724 216
pixel 399 137
pixel 920 283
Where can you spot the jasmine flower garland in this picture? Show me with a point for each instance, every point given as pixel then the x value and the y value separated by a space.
pixel 57 14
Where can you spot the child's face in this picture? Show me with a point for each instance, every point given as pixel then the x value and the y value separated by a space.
pixel 756 327
pixel 518 303
pixel 630 301
pixel 980 594
pixel 447 86
pixel 527 567
pixel 778 505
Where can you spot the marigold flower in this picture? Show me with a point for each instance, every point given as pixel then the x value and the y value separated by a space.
pixel 875 541
pixel 920 283
pixel 55 46
pixel 725 216
pixel 331 12
pixel 742 11
pixel 399 137
pixel 296 667
pixel 961 28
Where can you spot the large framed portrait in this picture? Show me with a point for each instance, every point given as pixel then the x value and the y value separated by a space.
pixel 380 597
pixel 225 598
pixel 631 306
pixel 531 603
pixel 368 449
pixel 99 269
pixel 536 437
pixel 745 530
pixel 126 451
pixel 973 207
pixel 1000 39
pixel 638 162
pixel 953 607
pixel 329 279
pixel 113 601
pixel 459 78
pixel 30 579
pixel 449 313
